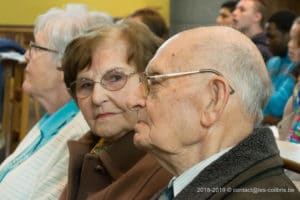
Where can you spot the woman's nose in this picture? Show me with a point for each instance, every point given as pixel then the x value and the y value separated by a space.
pixel 136 99
pixel 99 94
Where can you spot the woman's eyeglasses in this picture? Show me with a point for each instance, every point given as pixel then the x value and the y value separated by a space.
pixel 112 80
pixel 32 46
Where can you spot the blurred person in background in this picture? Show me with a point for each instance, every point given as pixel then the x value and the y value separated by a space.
pixel 279 67
pixel 249 18
pixel 225 16
pixel 6 45
pixel 289 126
pixel 153 20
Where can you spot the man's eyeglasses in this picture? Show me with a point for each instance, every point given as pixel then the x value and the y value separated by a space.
pixel 112 80
pixel 32 46
pixel 147 81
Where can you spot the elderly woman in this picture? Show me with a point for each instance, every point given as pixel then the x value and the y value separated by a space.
pixel 38 168
pixel 105 164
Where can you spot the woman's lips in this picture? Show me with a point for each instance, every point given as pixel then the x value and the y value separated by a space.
pixel 105 115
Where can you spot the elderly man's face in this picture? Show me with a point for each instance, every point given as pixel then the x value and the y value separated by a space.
pixel 170 116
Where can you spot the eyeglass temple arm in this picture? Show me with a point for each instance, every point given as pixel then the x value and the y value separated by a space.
pixel 185 73
pixel 232 91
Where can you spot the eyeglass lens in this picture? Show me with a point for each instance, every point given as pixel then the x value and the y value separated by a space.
pixel 112 80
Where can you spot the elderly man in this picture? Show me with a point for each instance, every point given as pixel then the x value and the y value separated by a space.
pixel 199 116
pixel 249 17
pixel 38 167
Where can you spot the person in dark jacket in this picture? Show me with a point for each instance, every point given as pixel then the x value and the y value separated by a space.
pixel 200 116
pixel 105 164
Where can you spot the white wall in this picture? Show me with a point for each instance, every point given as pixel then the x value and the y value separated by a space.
pixel 186 14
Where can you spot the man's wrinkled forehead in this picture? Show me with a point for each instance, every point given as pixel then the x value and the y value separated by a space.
pixel 170 56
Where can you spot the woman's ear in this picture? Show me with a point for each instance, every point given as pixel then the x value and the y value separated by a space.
pixel 219 92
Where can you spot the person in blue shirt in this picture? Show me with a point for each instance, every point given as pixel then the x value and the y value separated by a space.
pixel 289 127
pixel 280 66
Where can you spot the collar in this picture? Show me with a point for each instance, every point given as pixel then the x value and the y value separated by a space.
pixel 50 124
pixel 258 148
pixel 101 146
pixel 259 38
pixel 185 178
pixel 117 159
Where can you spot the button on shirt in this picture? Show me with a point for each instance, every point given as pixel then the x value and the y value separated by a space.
pixel 49 126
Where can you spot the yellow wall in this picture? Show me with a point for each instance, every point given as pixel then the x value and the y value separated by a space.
pixel 24 12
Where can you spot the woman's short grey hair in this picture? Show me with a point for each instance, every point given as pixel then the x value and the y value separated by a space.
pixel 62 25
pixel 96 19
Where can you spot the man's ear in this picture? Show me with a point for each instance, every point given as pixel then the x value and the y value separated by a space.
pixel 258 17
pixel 219 93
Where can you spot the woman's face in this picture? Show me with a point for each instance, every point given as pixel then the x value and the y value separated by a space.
pixel 293 45
pixel 105 111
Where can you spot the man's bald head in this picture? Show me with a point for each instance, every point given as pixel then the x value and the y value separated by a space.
pixel 228 51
